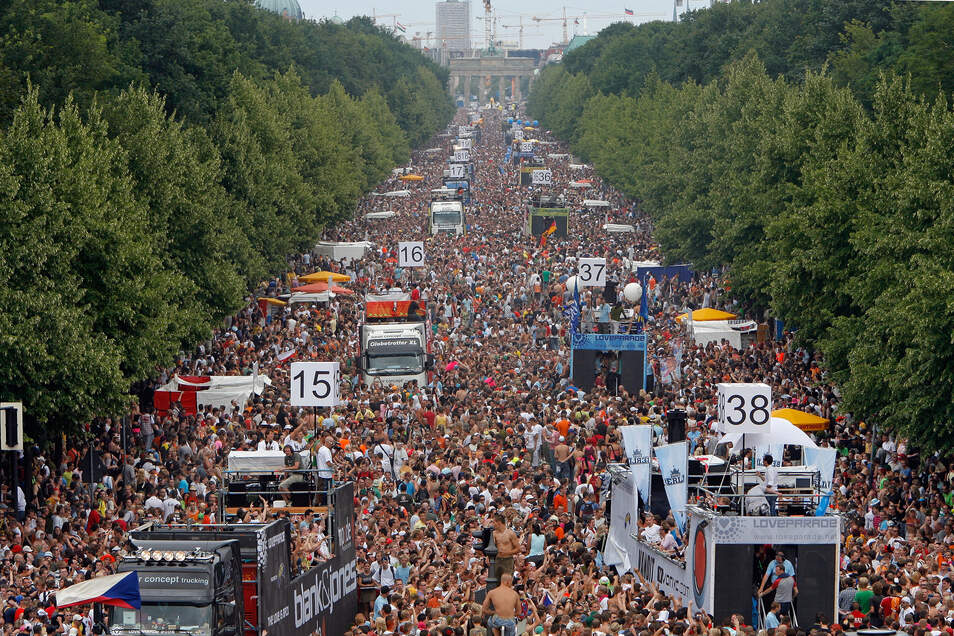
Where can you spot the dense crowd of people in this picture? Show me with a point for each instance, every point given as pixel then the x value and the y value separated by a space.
pixel 499 437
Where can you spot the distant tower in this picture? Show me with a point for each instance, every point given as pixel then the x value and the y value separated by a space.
pixel 288 9
pixel 453 26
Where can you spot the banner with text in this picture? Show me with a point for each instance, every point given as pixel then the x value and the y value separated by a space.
pixel 674 468
pixel 824 460
pixel 638 446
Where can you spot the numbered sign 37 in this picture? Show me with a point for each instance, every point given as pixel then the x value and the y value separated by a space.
pixel 592 272
pixel 526 146
pixel 410 254
pixel 315 383
pixel 745 407
pixel 518 134
pixel 461 156
pixel 541 177
pixel 457 171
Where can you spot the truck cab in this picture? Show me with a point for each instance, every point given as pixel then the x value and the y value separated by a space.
pixel 193 587
pixel 394 341
pixel 447 216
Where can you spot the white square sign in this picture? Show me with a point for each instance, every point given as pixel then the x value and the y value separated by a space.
pixel 745 407
pixel 461 156
pixel 457 171
pixel 541 177
pixel 526 146
pixel 411 254
pixel 315 383
pixel 518 134
pixel 465 144
pixel 592 272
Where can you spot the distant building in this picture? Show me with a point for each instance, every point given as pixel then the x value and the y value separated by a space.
pixel 453 26
pixel 288 9
pixel 577 42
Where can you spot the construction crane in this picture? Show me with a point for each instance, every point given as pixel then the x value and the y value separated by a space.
pixel 514 26
pixel 488 36
pixel 393 16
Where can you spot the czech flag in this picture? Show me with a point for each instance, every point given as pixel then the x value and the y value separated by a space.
pixel 120 590
pixel 628 11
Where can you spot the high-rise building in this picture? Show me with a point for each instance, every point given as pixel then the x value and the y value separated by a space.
pixel 453 26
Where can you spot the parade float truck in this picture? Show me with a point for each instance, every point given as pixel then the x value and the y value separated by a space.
pixel 233 580
pixel 394 341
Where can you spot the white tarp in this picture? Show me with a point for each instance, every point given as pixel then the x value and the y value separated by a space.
pixel 781 432
pixel 706 331
pixel 384 214
pixel 394 193
pixel 595 203
pixel 578 185
pixel 261 461
pixel 577 166
pixel 618 228
pixel 340 251
pixel 222 391
pixel 305 297
pixel 624 521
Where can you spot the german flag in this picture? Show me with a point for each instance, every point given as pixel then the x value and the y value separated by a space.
pixel 550 230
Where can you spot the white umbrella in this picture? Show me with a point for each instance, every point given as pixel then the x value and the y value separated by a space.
pixel 781 431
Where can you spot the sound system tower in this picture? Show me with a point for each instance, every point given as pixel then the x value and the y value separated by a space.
pixel 676 421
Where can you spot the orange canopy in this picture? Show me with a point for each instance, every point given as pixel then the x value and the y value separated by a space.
pixel 805 421
pixel 707 313
pixel 322 277
pixel 314 288
pixel 411 177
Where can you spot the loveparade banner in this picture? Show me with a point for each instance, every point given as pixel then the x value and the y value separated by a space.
pixel 674 467
pixel 638 446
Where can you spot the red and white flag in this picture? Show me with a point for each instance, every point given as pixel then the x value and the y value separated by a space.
pixel 285 356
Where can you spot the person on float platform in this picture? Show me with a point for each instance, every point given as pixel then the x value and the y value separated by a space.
pixel 770 484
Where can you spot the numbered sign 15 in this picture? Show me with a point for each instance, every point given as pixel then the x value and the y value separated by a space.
pixel 461 156
pixel 541 177
pixel 315 383
pixel 592 272
pixel 745 407
pixel 410 254
pixel 457 171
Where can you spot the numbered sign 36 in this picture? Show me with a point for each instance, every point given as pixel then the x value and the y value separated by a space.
pixel 541 177
pixel 592 272
pixel 526 146
pixel 410 254
pixel 745 407
pixel 457 171
pixel 461 156
pixel 315 383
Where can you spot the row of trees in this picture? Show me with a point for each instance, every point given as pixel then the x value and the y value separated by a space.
pixel 832 208
pixel 133 218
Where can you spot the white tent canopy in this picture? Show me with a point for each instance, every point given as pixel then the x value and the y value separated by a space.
pixel 305 297
pixel 580 186
pixel 393 193
pixel 618 228
pixel 339 251
pixel 595 203
pixel 577 166
pixel 706 331
pixel 385 214
pixel 781 431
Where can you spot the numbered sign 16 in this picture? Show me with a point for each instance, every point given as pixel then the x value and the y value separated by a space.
pixel 592 272
pixel 410 254
pixel 745 407
pixel 315 383
pixel 457 171
pixel 541 177
pixel 526 146
pixel 461 156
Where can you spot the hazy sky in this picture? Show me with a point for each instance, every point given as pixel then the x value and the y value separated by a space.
pixel 418 15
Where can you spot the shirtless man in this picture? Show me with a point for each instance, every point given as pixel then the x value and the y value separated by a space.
pixel 507 545
pixel 561 455
pixel 506 605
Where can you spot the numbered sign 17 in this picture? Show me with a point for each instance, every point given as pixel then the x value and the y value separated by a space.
pixel 457 171
pixel 315 383
pixel 411 254
pixel 592 272
pixel 745 407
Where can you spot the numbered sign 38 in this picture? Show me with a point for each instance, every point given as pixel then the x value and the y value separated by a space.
pixel 461 156
pixel 592 272
pixel 526 146
pixel 745 407
pixel 410 254
pixel 457 171
pixel 315 383
pixel 541 177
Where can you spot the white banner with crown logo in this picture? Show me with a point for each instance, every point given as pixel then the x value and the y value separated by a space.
pixel 674 468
